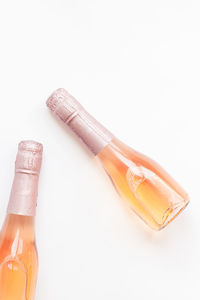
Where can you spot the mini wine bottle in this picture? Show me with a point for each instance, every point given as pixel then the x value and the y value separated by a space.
pixel 18 253
pixel 148 189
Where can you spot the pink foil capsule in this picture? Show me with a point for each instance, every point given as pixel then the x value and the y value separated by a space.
pixel 25 185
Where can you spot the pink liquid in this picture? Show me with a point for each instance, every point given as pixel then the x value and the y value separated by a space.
pixel 18 258
pixel 147 188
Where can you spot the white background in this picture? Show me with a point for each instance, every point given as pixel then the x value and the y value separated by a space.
pixel 135 65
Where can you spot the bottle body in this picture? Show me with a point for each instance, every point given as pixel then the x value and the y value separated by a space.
pixel 18 258
pixel 148 189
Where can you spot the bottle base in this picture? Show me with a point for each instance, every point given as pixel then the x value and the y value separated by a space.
pixel 172 212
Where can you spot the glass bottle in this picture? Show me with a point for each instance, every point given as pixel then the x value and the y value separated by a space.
pixel 147 188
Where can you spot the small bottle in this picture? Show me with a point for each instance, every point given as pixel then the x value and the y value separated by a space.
pixel 148 189
pixel 18 253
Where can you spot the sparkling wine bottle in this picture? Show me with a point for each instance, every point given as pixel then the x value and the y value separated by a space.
pixel 18 254
pixel 148 189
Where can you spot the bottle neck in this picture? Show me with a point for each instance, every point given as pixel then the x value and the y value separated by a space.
pixel 94 135
pixel 18 226
pixel 23 197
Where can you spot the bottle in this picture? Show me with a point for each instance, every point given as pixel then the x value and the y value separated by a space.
pixel 147 188
pixel 18 253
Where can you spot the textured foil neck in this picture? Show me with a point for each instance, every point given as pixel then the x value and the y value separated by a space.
pixel 93 134
pixel 23 197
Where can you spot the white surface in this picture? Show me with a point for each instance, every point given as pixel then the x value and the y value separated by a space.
pixel 135 66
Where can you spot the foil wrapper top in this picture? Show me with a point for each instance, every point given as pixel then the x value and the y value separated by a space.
pixel 29 157
pixel 64 105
